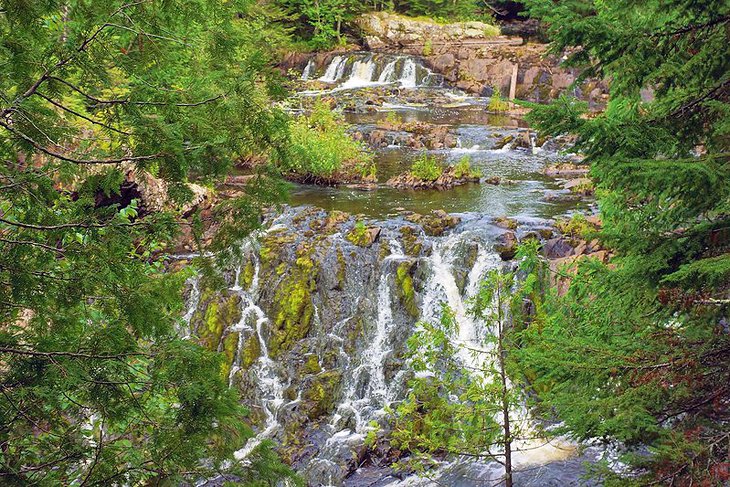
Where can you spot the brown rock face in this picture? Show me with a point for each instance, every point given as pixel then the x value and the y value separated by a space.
pixel 474 57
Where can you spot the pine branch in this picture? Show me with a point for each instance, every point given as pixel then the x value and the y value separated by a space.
pixel 74 160
pixel 127 101
pixel 88 119
pixel 35 353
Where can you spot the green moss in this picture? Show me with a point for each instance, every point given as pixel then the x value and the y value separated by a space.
pixel 384 250
pixel 311 365
pixel 251 351
pixel 294 308
pixel 322 392
pixel 219 315
pixel 406 291
pixel 412 244
pixel 230 347
pixel 246 277
pixel 359 235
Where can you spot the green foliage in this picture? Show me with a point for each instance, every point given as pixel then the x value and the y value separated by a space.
pixel 463 169
pixel 321 147
pixel 462 401
pixel 426 168
pixel 634 352
pixel 97 387
pixel 496 102
pixel 319 22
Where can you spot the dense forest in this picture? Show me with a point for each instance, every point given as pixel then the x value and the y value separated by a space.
pixel 318 242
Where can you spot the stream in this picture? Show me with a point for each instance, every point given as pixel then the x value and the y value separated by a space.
pixel 320 324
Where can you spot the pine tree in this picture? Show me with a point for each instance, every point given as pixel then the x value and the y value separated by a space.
pixel 637 352
pixel 96 388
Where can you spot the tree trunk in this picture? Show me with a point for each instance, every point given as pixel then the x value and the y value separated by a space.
pixel 501 358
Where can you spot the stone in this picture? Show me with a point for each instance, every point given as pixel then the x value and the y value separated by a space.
pixel 506 245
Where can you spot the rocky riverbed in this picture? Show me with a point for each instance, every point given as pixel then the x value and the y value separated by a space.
pixel 313 318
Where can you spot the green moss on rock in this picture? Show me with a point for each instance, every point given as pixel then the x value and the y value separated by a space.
pixel 322 392
pixel 293 305
pixel 250 352
pixel 405 290
pixel 220 314
pixel 412 244
pixel 230 347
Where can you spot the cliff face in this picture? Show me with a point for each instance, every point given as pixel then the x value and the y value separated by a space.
pixel 473 57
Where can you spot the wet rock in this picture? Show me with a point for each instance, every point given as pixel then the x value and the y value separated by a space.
pixel 503 142
pixel 506 245
pixel 448 179
pixel 506 222
pixel 434 223
pixel 566 169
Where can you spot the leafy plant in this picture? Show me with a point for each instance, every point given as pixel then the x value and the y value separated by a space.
pixel 426 168
pixel 496 102
pixel 322 147
pixel 463 169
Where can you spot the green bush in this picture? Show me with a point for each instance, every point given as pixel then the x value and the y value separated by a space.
pixel 496 102
pixel 320 146
pixel 463 169
pixel 426 168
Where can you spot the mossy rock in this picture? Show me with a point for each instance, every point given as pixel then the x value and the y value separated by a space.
pixel 322 392
pixel 251 351
pixel 412 243
pixel 341 269
pixel 435 223
pixel 293 306
pixel 221 313
pixel 229 349
pixel 405 289
pixel 247 274
pixel 311 365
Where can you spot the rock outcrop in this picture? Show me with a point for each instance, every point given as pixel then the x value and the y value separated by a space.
pixel 448 179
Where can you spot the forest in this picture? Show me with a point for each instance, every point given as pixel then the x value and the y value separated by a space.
pixel 349 244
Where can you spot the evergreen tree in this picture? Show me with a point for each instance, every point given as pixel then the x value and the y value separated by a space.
pixel 95 386
pixel 637 352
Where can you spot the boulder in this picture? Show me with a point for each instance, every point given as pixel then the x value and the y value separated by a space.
pixel 506 245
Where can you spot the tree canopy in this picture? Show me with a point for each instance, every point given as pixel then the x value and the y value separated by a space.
pixel 637 351
pixel 96 387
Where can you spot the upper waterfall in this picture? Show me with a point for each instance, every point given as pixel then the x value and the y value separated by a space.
pixel 361 69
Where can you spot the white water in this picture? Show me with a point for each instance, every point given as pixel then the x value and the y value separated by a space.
pixel 361 70
pixel 308 69
pixel 408 77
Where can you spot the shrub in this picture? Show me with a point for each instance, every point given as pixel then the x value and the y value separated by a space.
pixel 320 146
pixel 463 169
pixel 496 102
pixel 428 47
pixel 426 168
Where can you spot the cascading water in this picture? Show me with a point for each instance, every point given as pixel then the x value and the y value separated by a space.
pixel 308 70
pixel 359 70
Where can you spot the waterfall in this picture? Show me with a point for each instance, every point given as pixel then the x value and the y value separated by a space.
pixel 408 76
pixel 361 74
pixel 335 69
pixel 388 72
pixel 366 69
pixel 308 69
